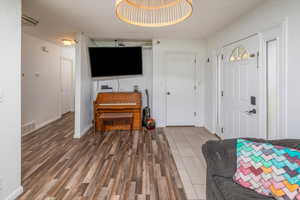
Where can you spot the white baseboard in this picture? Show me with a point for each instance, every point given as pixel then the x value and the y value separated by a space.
pixel 39 126
pixel 85 131
pixel 15 194
pixel 47 122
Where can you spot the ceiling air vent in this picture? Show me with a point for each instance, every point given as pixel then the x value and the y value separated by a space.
pixel 29 21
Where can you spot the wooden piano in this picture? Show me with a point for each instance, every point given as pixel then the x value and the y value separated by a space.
pixel 118 102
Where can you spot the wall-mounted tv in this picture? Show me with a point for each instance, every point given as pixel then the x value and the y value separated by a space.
pixel 115 61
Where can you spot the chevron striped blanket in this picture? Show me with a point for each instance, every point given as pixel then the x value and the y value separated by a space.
pixel 268 169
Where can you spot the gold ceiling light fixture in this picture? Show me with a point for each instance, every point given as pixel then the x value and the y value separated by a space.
pixel 153 13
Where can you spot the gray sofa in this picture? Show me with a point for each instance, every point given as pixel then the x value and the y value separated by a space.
pixel 221 165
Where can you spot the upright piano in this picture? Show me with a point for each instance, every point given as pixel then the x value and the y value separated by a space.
pixel 119 102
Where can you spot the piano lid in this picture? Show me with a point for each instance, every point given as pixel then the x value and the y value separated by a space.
pixel 119 99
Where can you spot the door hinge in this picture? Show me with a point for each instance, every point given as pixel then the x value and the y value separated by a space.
pixel 195 114
pixel 208 60
pixel 222 57
pixel 222 130
pixel 222 93
pixel 195 61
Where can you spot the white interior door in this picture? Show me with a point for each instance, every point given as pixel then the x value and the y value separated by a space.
pixel 180 89
pixel 240 88
pixel 67 90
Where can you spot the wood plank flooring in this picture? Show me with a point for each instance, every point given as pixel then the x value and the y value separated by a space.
pixel 118 166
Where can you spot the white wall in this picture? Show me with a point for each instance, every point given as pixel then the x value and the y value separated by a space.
pixel 210 93
pixel 68 52
pixel 10 105
pixel 126 84
pixel 41 75
pixel 271 13
pixel 83 87
pixel 159 90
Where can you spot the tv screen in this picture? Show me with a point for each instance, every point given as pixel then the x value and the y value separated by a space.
pixel 115 61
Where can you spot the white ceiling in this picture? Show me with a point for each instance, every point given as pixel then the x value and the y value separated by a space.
pixel 63 18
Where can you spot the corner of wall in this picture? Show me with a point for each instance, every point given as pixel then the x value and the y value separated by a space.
pixel 83 87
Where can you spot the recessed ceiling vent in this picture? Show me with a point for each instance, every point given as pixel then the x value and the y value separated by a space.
pixel 29 21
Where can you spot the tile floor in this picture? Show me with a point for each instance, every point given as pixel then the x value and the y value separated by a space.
pixel 186 143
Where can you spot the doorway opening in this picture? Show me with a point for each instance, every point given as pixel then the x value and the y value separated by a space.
pixel 47 84
pixel 67 86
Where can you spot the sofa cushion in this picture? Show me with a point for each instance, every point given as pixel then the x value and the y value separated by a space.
pixel 232 191
pixel 268 169
pixel 221 159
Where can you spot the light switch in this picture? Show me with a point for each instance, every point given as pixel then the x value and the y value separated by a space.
pixel 1 95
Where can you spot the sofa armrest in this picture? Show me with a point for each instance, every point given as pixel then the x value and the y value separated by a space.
pixel 220 157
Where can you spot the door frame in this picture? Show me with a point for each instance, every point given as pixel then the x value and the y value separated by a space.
pixel 194 54
pixel 279 33
pixel 262 70
pixel 61 86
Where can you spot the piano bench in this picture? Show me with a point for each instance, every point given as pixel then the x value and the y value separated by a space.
pixel 115 117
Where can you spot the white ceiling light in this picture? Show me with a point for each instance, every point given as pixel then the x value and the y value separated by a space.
pixel 68 42
pixel 153 13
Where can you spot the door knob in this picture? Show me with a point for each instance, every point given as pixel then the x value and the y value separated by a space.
pixel 250 112
pixel 168 93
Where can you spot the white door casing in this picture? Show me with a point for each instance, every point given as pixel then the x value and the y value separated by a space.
pixel 180 89
pixel 273 76
pixel 240 82
pixel 67 88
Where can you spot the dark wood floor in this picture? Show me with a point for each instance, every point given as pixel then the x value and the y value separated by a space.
pixel 118 166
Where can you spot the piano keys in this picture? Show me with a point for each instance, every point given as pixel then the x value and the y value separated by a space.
pixel 119 102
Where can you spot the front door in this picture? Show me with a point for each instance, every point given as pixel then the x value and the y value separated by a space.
pixel 180 89
pixel 240 89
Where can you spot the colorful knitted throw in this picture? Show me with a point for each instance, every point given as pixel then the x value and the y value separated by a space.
pixel 268 169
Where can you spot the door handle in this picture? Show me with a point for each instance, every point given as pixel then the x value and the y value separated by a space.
pixel 168 93
pixel 250 112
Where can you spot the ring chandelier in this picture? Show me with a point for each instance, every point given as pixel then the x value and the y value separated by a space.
pixel 153 13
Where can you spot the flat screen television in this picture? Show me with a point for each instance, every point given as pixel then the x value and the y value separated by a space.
pixel 115 61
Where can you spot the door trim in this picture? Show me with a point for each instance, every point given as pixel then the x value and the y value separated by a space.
pixel 278 33
pixel 194 123
pixel 61 86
